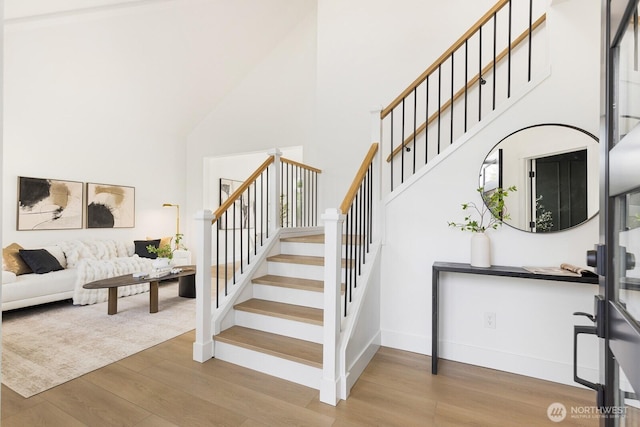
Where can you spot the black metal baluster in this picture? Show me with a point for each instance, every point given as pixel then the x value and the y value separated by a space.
pixel 370 240
pixel 234 242
pixel 509 56
pixel 426 123
pixel 354 237
pixel 362 223
pixel 351 257
pixel 495 38
pixel 357 245
pixel 392 157
pixel 315 221
pixel 466 80
pixel 242 218
pixel 402 153
pixel 289 216
pixel 226 250
pixel 530 37
pixel 218 263
pixel 249 225
pixel 297 196
pixel 267 203
pixel 635 40
pixel 262 208
pixel 480 79
pixel 439 102
pixel 451 106
pixel 346 270
pixel 415 124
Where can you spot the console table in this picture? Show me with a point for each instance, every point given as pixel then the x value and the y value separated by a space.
pixel 496 270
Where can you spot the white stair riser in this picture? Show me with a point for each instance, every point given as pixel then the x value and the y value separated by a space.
pixel 288 295
pixel 301 271
pixel 307 249
pixel 299 373
pixel 280 326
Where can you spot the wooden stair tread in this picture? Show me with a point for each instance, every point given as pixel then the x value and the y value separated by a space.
pixel 300 259
pixel 319 238
pixel 298 313
pixel 290 282
pixel 297 259
pixel 293 349
pixel 314 238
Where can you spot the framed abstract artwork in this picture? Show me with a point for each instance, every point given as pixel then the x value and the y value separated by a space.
pixel 110 206
pixel 49 204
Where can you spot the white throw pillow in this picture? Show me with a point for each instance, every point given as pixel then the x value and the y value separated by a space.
pixel 57 252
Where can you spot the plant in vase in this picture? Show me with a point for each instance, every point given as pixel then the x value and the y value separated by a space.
pixel 178 241
pixel 164 252
pixel 491 214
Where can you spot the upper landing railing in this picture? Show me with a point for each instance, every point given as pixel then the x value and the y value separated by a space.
pixel 466 82
pixel 280 193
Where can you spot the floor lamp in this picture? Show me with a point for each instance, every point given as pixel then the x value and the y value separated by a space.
pixel 178 235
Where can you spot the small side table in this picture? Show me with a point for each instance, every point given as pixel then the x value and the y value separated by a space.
pixel 187 286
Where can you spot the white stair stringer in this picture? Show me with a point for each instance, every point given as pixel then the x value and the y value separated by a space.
pixel 298 373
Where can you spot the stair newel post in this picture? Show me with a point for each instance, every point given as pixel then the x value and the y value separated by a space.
pixel 203 346
pixel 275 199
pixel 333 221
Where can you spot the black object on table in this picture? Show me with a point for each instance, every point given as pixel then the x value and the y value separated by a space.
pixel 187 286
pixel 496 270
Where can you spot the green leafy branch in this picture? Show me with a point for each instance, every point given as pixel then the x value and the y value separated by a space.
pixel 494 205
pixel 163 251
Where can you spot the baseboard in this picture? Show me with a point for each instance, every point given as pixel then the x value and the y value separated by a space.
pixel 202 351
pixel 358 366
pixel 407 342
pixel 549 370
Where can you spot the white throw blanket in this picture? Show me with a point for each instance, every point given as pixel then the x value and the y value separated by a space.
pixel 90 270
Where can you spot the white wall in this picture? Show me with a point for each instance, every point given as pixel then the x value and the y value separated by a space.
pixel 272 107
pixel 237 167
pixel 108 94
pixel 368 52
pixel 534 318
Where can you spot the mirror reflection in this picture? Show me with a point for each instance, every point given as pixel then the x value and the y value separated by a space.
pixel 555 168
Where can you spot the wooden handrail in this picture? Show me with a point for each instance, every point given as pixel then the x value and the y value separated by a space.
pixel 236 194
pixel 351 194
pixel 301 165
pixel 485 18
pixel 469 84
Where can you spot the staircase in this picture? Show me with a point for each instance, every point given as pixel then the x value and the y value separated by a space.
pixel 282 315
pixel 278 330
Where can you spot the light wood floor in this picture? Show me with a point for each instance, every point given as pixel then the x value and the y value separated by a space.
pixel 163 386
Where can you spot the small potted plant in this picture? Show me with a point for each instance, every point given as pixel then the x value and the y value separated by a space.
pixel 164 253
pixel 491 214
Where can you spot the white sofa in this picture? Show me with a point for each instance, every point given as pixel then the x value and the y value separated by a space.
pixel 82 261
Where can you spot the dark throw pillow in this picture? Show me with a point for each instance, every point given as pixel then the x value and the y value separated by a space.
pixel 141 248
pixel 40 260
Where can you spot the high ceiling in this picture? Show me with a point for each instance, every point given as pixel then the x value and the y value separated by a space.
pixel 166 61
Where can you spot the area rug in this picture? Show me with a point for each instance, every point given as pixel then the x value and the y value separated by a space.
pixel 45 346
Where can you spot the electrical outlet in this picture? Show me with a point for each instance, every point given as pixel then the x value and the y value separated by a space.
pixel 490 320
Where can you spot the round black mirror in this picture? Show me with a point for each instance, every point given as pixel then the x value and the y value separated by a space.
pixel 555 169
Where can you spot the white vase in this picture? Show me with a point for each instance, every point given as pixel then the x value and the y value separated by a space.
pixel 160 263
pixel 480 250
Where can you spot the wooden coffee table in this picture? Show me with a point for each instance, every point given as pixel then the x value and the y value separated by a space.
pixel 113 283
